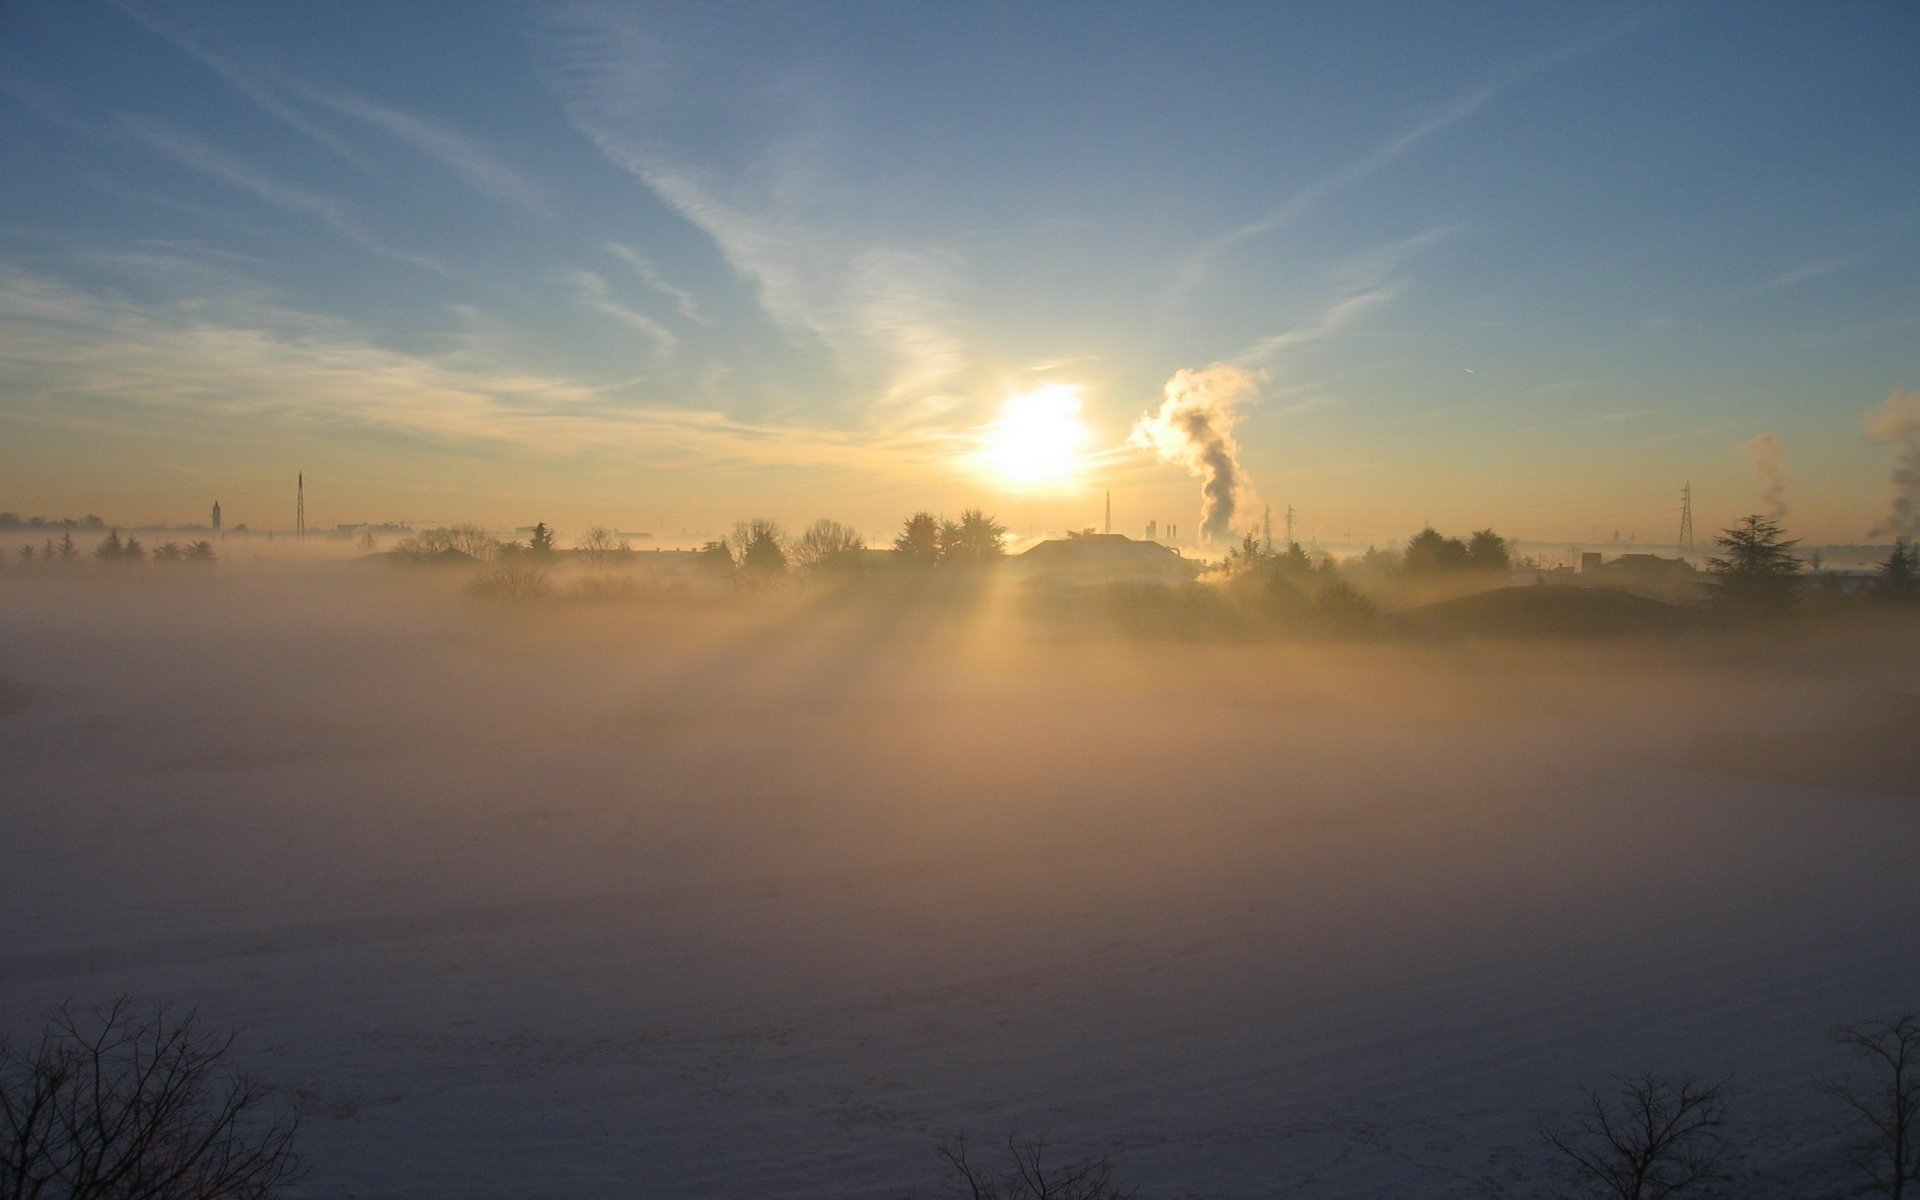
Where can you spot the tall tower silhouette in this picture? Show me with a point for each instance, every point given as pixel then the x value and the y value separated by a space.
pixel 300 508
pixel 1266 528
pixel 1289 526
pixel 1686 517
pixel 216 516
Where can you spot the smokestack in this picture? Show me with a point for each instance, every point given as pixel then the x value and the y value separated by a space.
pixel 1897 422
pixel 1767 456
pixel 1194 428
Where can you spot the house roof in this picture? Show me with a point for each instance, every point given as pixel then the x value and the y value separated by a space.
pixel 1099 547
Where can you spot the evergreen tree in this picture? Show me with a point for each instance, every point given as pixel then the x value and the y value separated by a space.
pixel 919 540
pixel 1900 574
pixel 762 549
pixel 1428 552
pixel 1487 551
pixel 978 538
pixel 1759 572
pixel 111 550
pixel 540 542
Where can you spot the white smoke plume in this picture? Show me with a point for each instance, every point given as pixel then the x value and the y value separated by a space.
pixel 1767 455
pixel 1896 422
pixel 1194 428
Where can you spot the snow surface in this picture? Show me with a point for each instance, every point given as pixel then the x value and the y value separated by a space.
pixel 766 900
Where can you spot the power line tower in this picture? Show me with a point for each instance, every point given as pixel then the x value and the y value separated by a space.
pixel 1686 517
pixel 1289 527
pixel 300 508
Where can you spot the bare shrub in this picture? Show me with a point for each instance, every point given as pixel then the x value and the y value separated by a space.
pixel 1029 1175
pixel 511 578
pixel 1656 1138
pixel 1888 1150
pixel 133 1101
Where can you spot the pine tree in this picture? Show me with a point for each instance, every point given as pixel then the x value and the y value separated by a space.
pixel 919 540
pixel 1900 574
pixel 1759 572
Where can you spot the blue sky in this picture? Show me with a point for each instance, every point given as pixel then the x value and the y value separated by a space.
pixel 664 266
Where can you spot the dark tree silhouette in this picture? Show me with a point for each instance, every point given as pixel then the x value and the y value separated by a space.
pixel 1029 1175
pixel 110 550
pixel 976 539
pixel 599 544
pixel 67 550
pixel 828 546
pixel 200 552
pixel 1487 551
pixel 761 545
pixel 1759 572
pixel 134 1102
pixel 1429 553
pixel 540 541
pixel 1888 1152
pixel 1899 578
pixel 716 557
pixel 919 540
pixel 1656 1138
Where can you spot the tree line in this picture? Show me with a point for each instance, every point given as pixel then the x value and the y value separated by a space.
pixel 116 550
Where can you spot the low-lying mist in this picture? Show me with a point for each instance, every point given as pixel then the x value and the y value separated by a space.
pixel 697 892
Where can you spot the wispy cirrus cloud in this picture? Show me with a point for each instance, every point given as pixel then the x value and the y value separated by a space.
pixel 593 292
pixel 330 211
pixel 651 275
pixel 246 80
pixel 1191 273
pixel 1338 316
pixel 885 311
pixel 243 354
pixel 465 156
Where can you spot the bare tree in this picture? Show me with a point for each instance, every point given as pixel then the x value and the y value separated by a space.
pixel 133 1102
pixel 1888 1152
pixel 1030 1176
pixel 827 546
pixel 1656 1138
pixel 599 544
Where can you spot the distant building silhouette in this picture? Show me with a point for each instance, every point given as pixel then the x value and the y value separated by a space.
pixel 216 516
pixel 1102 558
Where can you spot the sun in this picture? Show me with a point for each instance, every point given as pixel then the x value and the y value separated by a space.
pixel 1037 441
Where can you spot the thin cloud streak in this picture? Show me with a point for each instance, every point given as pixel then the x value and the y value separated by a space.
pixel 881 309
pixel 243 81
pixel 198 156
pixel 593 292
pixel 483 170
pixel 649 274
pixel 1191 274
pixel 245 357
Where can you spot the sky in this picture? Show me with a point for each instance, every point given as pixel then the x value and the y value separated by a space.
pixel 664 267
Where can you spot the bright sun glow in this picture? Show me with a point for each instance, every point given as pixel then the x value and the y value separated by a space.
pixel 1038 438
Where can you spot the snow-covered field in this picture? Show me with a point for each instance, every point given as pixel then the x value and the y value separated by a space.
pixel 703 901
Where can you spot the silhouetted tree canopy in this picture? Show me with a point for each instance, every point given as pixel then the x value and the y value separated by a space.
pixel 1900 574
pixel 540 541
pixel 761 546
pixel 828 546
pixel 1487 551
pixel 1758 572
pixel 977 538
pixel 919 540
pixel 1429 553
